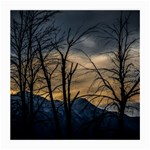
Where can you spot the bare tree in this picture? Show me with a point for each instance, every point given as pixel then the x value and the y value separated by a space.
pixel 26 26
pixel 48 71
pixel 18 36
pixel 68 68
pixel 119 83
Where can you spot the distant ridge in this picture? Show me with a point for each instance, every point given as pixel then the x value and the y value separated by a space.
pixel 88 121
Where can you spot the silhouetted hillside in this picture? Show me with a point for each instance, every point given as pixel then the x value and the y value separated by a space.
pixel 88 121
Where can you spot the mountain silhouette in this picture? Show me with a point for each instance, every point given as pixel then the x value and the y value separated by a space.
pixel 88 121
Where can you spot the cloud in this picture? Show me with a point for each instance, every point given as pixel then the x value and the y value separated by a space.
pixel 88 42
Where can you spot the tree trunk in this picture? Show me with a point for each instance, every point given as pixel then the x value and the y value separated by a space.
pixel 31 116
pixel 121 120
pixel 48 81
pixel 56 118
pixel 66 108
pixel 24 112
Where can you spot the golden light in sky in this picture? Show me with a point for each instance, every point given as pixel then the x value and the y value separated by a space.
pixel 82 78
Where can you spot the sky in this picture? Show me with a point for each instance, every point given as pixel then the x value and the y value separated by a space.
pixel 74 19
pixel 93 45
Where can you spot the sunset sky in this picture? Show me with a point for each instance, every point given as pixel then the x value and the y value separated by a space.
pixel 93 45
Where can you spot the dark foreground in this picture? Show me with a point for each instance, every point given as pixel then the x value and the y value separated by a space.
pixel 88 122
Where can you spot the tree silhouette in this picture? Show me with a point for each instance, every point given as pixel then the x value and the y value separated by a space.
pixel 68 68
pixel 41 63
pixel 26 27
pixel 118 83
pixel 49 67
